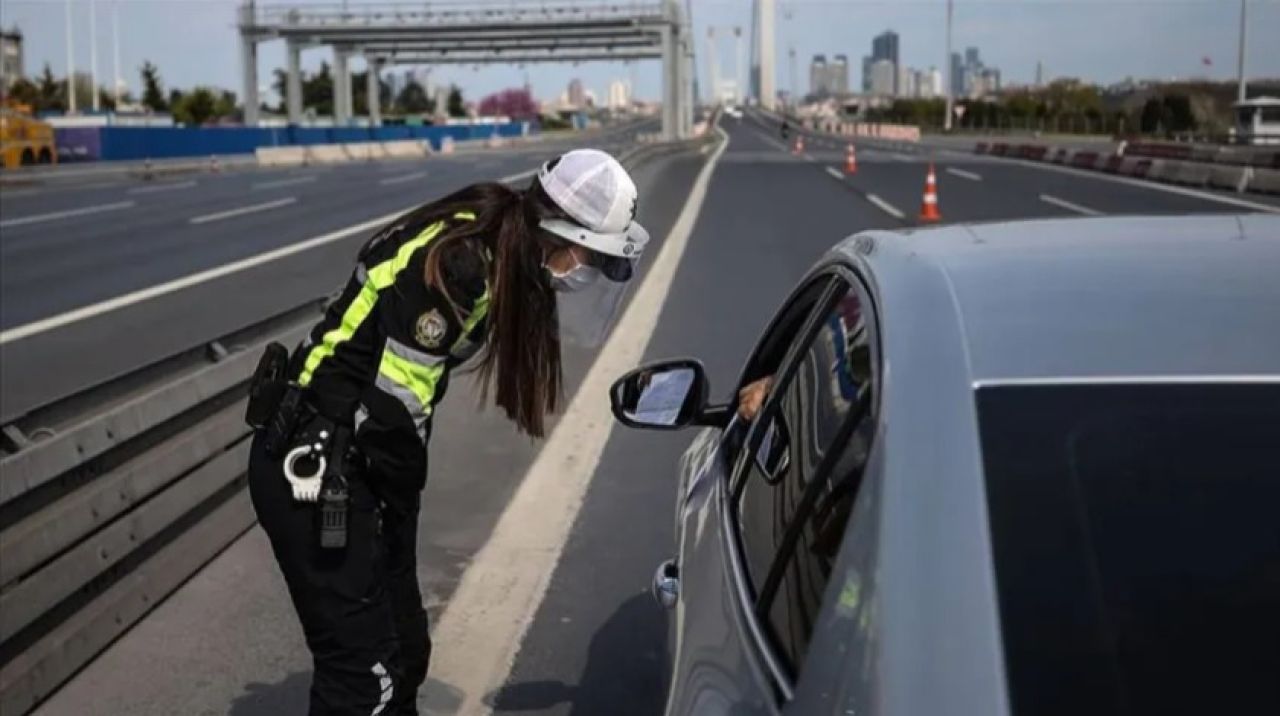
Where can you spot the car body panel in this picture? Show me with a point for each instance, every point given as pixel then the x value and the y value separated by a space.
pixel 910 621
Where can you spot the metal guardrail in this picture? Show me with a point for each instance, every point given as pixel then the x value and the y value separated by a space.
pixel 111 499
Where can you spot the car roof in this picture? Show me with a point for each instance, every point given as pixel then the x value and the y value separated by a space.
pixel 1099 298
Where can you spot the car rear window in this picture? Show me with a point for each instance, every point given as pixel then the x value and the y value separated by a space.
pixel 1136 535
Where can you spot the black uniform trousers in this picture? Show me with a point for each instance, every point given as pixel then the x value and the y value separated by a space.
pixel 360 607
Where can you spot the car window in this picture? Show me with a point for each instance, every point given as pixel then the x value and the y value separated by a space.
pixel 803 465
pixel 1136 536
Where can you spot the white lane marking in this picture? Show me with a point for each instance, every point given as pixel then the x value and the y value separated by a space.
pixel 53 216
pixel 402 178
pixel 146 294
pixel 162 187
pixel 15 193
pixel 964 174
pixel 252 208
pixel 1185 191
pixel 886 207
pixel 897 156
pixel 1063 203
pixel 835 173
pixel 500 593
pixel 282 182
pixel 809 158
pixel 517 177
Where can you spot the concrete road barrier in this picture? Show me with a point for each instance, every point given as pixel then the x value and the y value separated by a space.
pixel 1193 173
pixel 365 151
pixel 407 148
pixel 280 156
pixel 1233 177
pixel 328 153
pixel 1265 180
pixel 1165 170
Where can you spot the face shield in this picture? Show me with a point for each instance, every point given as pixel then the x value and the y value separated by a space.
pixel 587 313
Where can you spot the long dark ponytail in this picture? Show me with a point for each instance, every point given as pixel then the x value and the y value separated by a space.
pixel 521 358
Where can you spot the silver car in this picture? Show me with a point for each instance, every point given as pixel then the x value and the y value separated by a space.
pixel 1018 468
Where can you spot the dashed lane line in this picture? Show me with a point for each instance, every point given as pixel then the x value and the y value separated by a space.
pixel 241 211
pixel 69 213
pixel 1069 206
pixel 971 176
pixel 886 207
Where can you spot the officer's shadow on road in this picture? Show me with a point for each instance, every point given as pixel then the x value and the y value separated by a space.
pixel 625 673
pixel 289 696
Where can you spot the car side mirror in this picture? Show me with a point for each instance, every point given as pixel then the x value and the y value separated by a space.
pixel 666 395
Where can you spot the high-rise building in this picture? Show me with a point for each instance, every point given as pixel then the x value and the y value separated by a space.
pixel 838 75
pixel 10 57
pixel 818 76
pixel 933 83
pixel 619 95
pixel 957 75
pixel 905 85
pixel 577 95
pixel 885 47
pixel 971 57
pixel 883 77
pixel 866 73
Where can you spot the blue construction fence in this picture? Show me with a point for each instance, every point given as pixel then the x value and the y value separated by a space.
pixel 114 143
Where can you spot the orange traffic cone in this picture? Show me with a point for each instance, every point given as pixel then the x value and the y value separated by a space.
pixel 929 209
pixel 850 161
pixel 799 147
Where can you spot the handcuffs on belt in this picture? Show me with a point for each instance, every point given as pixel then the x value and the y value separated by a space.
pixel 277 408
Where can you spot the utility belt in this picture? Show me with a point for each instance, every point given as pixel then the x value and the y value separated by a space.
pixel 314 450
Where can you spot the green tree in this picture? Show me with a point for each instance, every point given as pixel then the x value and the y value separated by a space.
pixel 224 106
pixel 24 91
pixel 455 105
pixel 52 92
pixel 196 107
pixel 152 89
pixel 317 90
pixel 413 99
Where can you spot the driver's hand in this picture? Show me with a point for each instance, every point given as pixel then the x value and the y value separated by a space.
pixel 751 397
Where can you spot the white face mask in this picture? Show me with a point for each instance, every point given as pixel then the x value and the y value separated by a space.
pixel 575 279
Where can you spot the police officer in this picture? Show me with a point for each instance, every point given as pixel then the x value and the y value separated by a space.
pixel 337 466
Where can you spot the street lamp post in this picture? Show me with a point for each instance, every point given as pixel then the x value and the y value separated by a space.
pixel 93 54
pixel 1240 93
pixel 71 65
pixel 946 121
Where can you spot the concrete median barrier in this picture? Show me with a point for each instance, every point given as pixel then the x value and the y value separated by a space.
pixel 365 151
pixel 1193 173
pixel 1265 180
pixel 280 156
pixel 328 153
pixel 407 149
pixel 1233 177
pixel 1164 170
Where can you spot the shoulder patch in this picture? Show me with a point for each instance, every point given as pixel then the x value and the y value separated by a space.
pixel 430 328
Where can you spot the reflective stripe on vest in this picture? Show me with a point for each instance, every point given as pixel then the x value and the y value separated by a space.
pixel 373 281
pixel 410 376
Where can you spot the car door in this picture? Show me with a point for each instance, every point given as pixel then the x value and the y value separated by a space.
pixel 777 513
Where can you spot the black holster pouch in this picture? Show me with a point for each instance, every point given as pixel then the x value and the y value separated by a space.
pixel 267 388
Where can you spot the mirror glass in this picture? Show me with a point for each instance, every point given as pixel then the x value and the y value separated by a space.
pixel 658 397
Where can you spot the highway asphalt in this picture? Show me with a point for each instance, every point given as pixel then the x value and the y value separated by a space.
pixel 226 642
pixel 53 260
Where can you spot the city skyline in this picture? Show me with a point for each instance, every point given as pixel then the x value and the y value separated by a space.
pixel 1093 45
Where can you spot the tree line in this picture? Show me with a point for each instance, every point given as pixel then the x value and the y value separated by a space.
pixel 205 105
pixel 1072 106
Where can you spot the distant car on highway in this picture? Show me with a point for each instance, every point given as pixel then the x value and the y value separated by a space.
pixel 1019 468
pixel 733 111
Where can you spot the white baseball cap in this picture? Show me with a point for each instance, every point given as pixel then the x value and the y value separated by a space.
pixel 593 188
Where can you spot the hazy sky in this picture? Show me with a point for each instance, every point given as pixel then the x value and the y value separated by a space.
pixel 194 41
